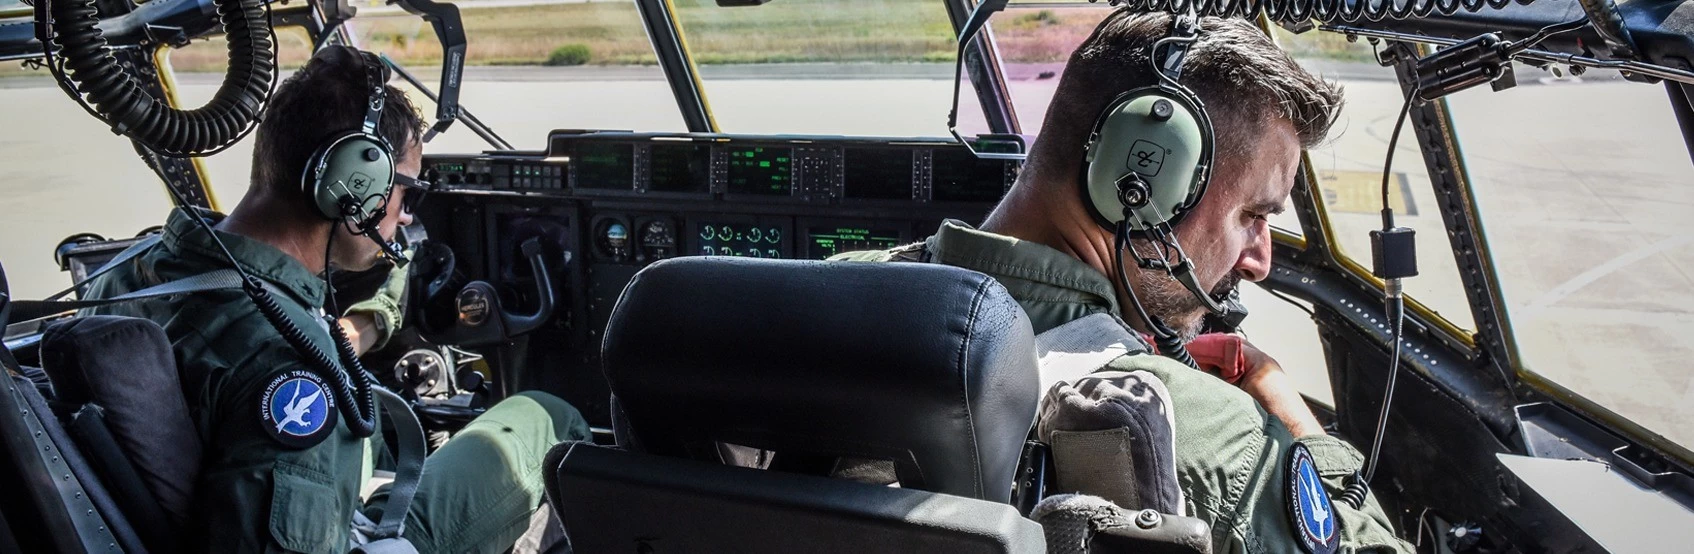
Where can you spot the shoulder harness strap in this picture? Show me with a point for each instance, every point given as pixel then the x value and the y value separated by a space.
pixel 1070 351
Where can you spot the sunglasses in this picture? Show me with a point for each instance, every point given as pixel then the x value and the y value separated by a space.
pixel 414 197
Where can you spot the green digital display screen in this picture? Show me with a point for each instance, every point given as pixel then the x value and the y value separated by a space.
pixel 956 175
pixel 878 174
pixel 604 166
pixel 760 170
pixel 750 240
pixel 680 168
pixel 824 242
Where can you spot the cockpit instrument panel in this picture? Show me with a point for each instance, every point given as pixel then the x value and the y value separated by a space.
pixel 881 174
pixel 747 237
pixel 607 166
pixel 679 168
pixel 613 202
pixel 825 240
pixel 780 169
pixel 761 170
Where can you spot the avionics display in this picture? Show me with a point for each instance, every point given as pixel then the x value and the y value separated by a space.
pixel 604 166
pixel 958 176
pixel 741 239
pixel 878 174
pixel 680 168
pixel 760 170
pixel 823 242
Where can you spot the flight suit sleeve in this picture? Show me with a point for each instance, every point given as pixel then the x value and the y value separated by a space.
pixel 1363 529
pixel 385 307
pixel 1234 463
pixel 288 469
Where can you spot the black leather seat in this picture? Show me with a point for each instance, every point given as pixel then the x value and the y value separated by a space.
pixel 118 390
pixel 116 434
pixel 929 367
pixel 65 486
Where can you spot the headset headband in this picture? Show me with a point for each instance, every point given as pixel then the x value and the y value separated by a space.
pixel 375 78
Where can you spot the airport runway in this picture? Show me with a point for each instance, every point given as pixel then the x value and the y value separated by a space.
pixel 1589 231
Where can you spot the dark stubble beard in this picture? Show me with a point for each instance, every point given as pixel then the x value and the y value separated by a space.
pixel 1172 303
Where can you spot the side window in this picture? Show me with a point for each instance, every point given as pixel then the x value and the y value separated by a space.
pixel 1587 221
pixel 1349 170
pixel 67 174
pixel 1286 332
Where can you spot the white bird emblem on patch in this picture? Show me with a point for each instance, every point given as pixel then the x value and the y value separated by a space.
pixel 298 408
pixel 1320 512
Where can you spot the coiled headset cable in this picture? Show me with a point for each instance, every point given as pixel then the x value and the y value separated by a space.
pixel 350 382
pixel 1168 341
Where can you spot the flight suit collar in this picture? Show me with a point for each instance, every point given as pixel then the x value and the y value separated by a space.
pixel 1037 271
pixel 188 241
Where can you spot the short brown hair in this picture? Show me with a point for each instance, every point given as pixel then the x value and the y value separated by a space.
pixel 1239 74
pixel 324 99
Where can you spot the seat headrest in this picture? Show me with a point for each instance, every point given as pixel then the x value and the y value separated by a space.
pixel 929 366
pixel 125 365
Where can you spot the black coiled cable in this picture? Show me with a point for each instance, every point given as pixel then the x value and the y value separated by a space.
pixel 1327 11
pixel 1168 341
pixel 1171 346
pixel 352 387
pixel 1355 491
pixel 132 112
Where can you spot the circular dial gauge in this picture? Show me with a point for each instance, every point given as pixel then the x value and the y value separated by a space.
pixel 658 240
pixel 612 239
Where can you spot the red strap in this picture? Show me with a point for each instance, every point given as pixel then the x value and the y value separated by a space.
pixel 1220 354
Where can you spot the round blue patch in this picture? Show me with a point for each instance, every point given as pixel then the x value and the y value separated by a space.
pixel 1309 508
pixel 297 409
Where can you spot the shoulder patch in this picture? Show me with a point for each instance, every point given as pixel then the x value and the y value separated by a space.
pixel 1309 509
pixel 297 409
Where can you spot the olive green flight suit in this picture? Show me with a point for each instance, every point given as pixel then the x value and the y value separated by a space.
pixel 1232 457
pixel 256 495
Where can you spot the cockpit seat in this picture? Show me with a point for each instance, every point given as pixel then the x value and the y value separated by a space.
pixel 927 367
pixel 118 391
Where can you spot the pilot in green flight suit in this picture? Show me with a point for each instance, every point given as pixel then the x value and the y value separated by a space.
pixel 1235 444
pixel 281 472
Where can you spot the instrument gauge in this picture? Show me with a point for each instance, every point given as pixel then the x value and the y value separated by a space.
pixel 658 240
pixel 611 239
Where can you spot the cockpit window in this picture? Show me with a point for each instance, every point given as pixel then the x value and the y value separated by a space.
pixel 68 174
pixel 1035 43
pixel 532 68
pixel 866 67
pixel 1349 171
pixel 1586 187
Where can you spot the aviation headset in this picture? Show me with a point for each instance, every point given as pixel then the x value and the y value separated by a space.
pixel 1149 157
pixel 349 177
pixel 1147 163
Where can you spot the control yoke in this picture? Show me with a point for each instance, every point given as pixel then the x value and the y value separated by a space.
pixel 478 318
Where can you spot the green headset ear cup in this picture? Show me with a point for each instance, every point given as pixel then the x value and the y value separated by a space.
pixel 1159 134
pixel 355 165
